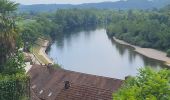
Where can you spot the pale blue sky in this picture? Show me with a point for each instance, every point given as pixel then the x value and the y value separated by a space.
pixel 27 2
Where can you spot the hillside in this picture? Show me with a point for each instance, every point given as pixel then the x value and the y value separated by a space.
pixel 129 4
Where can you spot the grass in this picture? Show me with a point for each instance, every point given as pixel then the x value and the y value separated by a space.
pixel 35 50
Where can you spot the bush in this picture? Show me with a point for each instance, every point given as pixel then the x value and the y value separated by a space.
pixel 14 87
pixel 149 85
pixel 15 64
pixel 57 66
pixel 168 52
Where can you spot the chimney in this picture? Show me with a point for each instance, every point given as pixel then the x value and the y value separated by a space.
pixel 66 85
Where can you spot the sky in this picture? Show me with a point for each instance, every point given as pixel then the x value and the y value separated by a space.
pixel 28 2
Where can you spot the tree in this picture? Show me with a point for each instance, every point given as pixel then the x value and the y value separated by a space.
pixel 7 6
pixel 148 85
pixel 13 81
pixel 142 28
pixel 8 31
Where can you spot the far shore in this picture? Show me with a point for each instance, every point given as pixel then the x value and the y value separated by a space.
pixel 148 52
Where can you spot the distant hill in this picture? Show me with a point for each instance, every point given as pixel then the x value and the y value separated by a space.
pixel 122 4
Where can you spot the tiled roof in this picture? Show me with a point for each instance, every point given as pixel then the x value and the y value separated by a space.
pixel 84 92
pixel 48 84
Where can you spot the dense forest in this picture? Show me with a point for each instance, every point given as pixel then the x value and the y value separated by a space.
pixel 34 26
pixel 148 29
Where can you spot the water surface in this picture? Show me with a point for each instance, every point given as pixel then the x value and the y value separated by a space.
pixel 94 53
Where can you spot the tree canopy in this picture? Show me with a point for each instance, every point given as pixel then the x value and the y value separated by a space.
pixel 148 85
pixel 57 23
pixel 142 28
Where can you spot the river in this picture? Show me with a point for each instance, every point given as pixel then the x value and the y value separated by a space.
pixel 92 52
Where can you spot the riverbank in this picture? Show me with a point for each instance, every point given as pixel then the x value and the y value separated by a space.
pixel 148 52
pixel 39 51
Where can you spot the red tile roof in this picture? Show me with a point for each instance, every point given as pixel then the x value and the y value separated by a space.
pixel 48 84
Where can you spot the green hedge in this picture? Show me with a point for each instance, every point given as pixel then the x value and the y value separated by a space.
pixel 14 87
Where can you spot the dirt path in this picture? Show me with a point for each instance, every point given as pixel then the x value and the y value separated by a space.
pixel 38 56
pixel 43 53
pixel 148 52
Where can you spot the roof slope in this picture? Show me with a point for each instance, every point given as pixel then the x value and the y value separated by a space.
pixel 48 84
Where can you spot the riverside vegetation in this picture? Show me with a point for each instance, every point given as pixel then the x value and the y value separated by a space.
pixel 149 29
pixel 146 28
pixel 58 23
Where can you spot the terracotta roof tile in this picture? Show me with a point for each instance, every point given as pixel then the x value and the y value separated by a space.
pixel 48 84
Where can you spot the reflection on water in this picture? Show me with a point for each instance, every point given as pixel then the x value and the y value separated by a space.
pixel 132 56
pixel 91 51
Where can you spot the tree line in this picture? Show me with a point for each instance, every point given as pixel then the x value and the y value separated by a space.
pixel 144 28
pixel 58 23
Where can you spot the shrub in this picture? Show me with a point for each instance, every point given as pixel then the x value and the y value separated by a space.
pixel 168 52
pixel 57 66
pixel 149 85
pixel 14 87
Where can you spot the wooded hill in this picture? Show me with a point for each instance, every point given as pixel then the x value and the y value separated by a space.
pixel 119 5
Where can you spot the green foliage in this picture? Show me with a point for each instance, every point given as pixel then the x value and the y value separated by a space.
pixel 30 33
pixel 15 64
pixel 77 17
pixel 7 6
pixel 168 52
pixel 58 23
pixel 143 28
pixel 66 20
pixel 8 31
pixel 148 85
pixel 13 81
pixel 13 87
pixel 57 66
